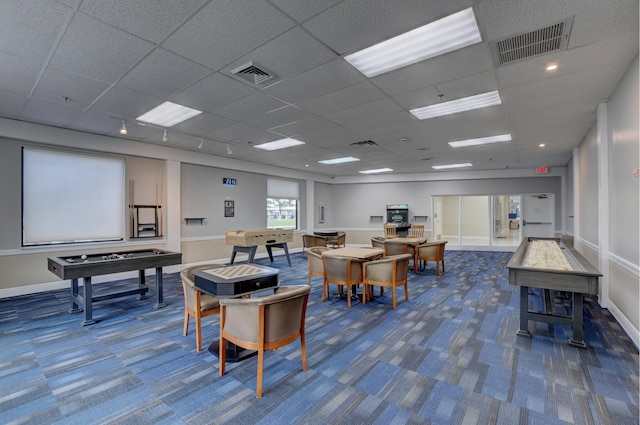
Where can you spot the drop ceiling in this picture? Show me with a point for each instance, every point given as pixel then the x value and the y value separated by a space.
pixel 88 65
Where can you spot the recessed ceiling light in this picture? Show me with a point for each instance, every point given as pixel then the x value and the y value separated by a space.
pixel 442 167
pixel 542 145
pixel 339 160
pixel 279 144
pixel 480 141
pixel 552 67
pixel 442 36
pixel 379 170
pixel 459 105
pixel 168 114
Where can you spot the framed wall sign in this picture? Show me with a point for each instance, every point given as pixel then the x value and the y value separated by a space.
pixel 229 208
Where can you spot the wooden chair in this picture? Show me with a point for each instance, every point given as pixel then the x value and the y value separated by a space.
pixel 314 258
pixel 197 304
pixel 341 271
pixel 432 251
pixel 390 231
pixel 397 248
pixel 417 231
pixel 388 272
pixel 309 241
pixel 264 323
pixel 337 241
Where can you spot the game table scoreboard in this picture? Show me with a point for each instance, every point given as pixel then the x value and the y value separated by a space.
pixel 75 267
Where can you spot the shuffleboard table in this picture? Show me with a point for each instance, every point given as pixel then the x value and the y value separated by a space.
pixel 85 266
pixel 549 264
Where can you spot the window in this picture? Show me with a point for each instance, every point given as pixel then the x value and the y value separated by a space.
pixel 71 197
pixel 282 204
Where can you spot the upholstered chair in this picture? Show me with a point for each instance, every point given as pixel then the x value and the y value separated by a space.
pixel 377 242
pixel 264 323
pixel 309 241
pixel 397 248
pixel 341 271
pixel 337 241
pixel 432 251
pixel 314 258
pixel 196 303
pixel 388 272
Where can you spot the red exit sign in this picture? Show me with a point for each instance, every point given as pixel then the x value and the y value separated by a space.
pixel 542 170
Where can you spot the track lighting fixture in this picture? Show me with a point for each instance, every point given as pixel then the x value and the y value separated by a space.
pixel 123 129
pixel 164 136
pixel 229 151
pixel 201 143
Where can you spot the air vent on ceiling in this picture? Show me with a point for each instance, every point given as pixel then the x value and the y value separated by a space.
pixel 533 43
pixel 364 143
pixel 253 73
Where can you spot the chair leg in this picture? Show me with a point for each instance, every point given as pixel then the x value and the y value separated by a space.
pixel 198 334
pixel 222 344
pixel 365 293
pixel 348 296
pixel 406 290
pixel 185 329
pixel 393 296
pixel 260 370
pixel 303 347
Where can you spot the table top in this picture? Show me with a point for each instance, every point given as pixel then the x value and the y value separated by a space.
pixel 408 240
pixel 357 253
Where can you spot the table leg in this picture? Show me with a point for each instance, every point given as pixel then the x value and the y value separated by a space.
pixel 252 253
pixel 286 252
pixel 88 302
pixel 233 255
pixel 577 314
pixel 159 290
pixel 524 312
pixel 141 284
pixel 234 353
pixel 75 306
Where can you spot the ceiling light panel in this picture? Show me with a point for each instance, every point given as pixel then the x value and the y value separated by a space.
pixel 379 170
pixel 279 144
pixel 442 36
pixel 339 160
pixel 470 103
pixel 168 114
pixel 443 167
pixel 481 141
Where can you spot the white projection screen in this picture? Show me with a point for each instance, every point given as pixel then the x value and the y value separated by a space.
pixel 70 197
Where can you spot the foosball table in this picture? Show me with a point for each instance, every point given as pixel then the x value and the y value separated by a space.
pixel 247 241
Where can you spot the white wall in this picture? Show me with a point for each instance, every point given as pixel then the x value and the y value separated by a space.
pixel 616 139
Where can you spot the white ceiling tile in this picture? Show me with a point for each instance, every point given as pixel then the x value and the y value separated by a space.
pixel 213 92
pixel 152 20
pixel 163 73
pixel 125 103
pixel 301 10
pixel 249 107
pixel 56 85
pixel 213 39
pixel 97 50
pixel 343 99
pixel 368 111
pixel 17 74
pixel 30 28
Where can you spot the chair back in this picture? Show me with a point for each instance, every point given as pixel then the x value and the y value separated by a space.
pixel 309 241
pixel 377 242
pixel 388 269
pixel 389 231
pixel 282 313
pixel 432 251
pixel 314 258
pixel 342 270
pixel 396 248
pixel 191 298
pixel 417 231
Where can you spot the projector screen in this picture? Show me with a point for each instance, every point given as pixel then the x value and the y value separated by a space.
pixel 70 197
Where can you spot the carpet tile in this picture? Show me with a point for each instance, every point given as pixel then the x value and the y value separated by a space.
pixel 450 355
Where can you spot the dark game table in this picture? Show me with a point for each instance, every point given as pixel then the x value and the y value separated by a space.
pixel 85 266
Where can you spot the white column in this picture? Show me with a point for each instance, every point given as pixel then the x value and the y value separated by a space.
pixel 603 142
pixel 310 207
pixel 172 209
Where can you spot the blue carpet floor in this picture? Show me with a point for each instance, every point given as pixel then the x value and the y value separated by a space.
pixel 448 356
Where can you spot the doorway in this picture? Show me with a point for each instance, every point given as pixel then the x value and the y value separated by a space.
pixel 538 215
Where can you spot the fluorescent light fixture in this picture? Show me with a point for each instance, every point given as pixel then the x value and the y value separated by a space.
pixel 379 170
pixel 168 114
pixel 279 144
pixel 443 167
pixel 339 160
pixel 442 36
pixel 480 141
pixel 459 105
